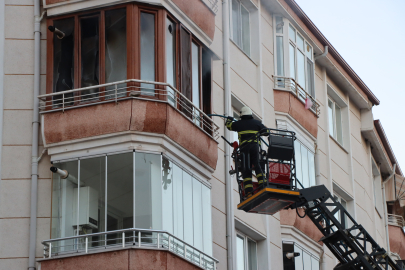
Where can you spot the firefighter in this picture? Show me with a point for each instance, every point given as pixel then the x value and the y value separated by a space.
pixel 246 128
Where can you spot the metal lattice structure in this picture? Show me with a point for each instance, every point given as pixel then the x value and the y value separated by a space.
pixel 351 244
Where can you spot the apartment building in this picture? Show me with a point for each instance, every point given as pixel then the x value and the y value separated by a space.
pixel 114 97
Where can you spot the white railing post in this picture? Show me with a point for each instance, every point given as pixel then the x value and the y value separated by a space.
pixel 139 238
pixel 86 244
pixel 158 240
pixel 169 242
pixel 185 251
pixel 116 90
pixel 123 239
pixel 200 259
pixel 50 250
pixel 63 102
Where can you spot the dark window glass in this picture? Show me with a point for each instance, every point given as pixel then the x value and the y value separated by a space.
pixel 89 53
pixel 63 78
pixel 115 50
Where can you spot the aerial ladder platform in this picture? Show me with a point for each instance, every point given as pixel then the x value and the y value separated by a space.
pixel 350 243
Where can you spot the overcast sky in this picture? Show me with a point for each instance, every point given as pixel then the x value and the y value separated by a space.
pixel 370 36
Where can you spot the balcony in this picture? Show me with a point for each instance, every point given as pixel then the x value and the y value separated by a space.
pixel 150 248
pixel 290 98
pixel 129 106
pixel 397 234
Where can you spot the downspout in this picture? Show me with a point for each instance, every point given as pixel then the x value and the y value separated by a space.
pixel 325 52
pixel 385 208
pixel 35 134
pixel 2 19
pixel 228 111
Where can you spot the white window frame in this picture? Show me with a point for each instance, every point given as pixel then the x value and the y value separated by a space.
pixel 245 250
pixel 340 199
pixel 334 134
pixel 378 200
pixel 239 43
pixel 309 85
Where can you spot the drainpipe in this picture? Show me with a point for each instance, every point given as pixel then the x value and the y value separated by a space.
pixel 2 5
pixel 318 182
pixel 35 129
pixel 385 209
pixel 325 52
pixel 228 111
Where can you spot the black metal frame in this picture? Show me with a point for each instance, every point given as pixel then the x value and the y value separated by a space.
pixel 240 160
pixel 352 246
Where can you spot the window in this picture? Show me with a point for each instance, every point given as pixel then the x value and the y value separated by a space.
pixel 126 42
pixel 335 121
pixel 241 26
pixel 127 190
pixel 378 198
pixel 101 53
pixel 305 164
pixel 305 260
pixel 233 133
pixel 301 60
pixel 246 253
pixel 338 216
pixel 294 57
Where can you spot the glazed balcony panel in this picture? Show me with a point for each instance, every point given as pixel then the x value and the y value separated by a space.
pixel 78 114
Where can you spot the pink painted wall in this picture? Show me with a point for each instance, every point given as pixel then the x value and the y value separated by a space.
pixel 286 102
pixel 305 225
pixel 130 115
pixel 129 259
pixel 397 240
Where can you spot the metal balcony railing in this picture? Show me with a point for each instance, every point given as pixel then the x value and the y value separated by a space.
pixel 396 220
pixel 212 4
pixel 129 89
pixel 127 238
pixel 289 84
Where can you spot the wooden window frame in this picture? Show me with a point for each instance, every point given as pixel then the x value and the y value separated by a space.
pixel 133 52
pixel 133 11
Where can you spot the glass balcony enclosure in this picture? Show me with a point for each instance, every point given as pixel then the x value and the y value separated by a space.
pixel 126 190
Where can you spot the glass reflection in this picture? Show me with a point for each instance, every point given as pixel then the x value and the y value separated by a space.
pixel 147 52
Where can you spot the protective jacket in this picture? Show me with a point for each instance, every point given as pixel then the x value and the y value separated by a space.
pixel 246 128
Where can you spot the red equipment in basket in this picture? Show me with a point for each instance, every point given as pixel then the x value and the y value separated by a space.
pixel 255 188
pixel 279 173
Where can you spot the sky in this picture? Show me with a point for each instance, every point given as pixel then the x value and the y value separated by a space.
pixel 370 36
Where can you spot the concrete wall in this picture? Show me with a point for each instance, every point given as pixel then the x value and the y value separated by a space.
pixel 17 133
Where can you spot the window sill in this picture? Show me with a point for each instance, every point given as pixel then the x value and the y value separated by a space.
pixel 253 61
pixel 339 144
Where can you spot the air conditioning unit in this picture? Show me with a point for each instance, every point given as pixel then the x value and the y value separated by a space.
pixel 88 207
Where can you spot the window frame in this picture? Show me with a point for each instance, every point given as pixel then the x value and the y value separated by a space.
pixel 133 11
pixel 239 43
pixel 245 249
pixel 334 119
pixel 339 199
pixel 308 85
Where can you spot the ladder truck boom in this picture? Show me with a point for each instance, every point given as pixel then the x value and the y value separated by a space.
pixel 350 243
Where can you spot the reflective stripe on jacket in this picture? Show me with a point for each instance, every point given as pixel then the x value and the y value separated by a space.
pixel 246 128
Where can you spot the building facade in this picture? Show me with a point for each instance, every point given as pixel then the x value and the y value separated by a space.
pixel 115 96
